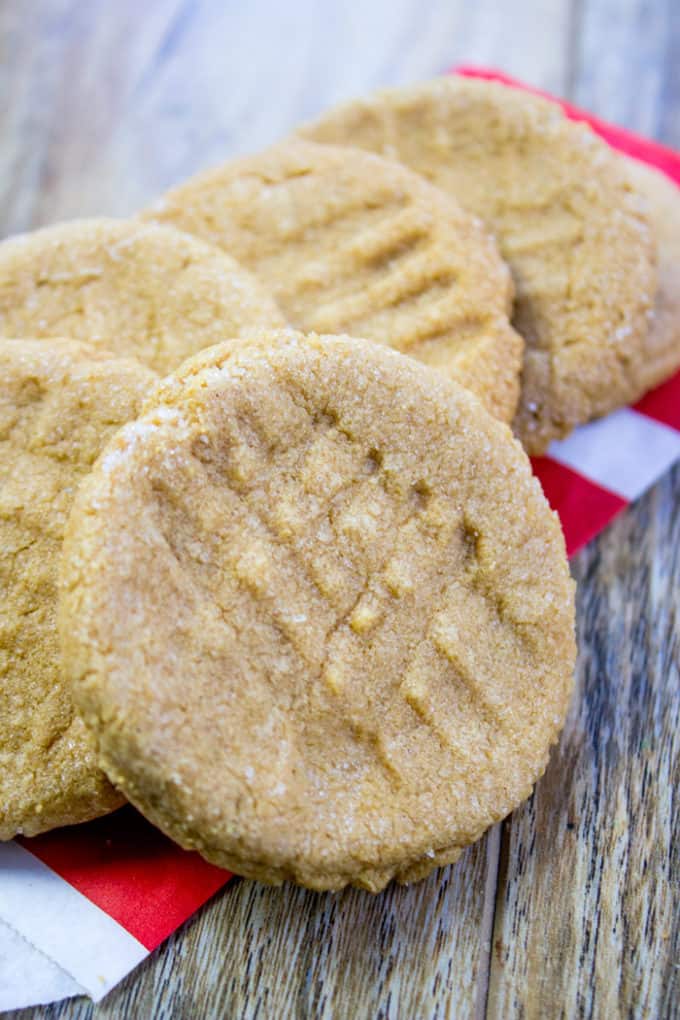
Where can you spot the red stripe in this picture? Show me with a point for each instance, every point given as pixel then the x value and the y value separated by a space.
pixel 584 508
pixel 132 872
pixel 663 403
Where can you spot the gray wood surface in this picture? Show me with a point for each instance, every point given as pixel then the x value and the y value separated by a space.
pixel 567 908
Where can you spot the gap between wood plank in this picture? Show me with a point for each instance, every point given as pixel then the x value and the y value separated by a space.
pixel 493 853
pixel 573 45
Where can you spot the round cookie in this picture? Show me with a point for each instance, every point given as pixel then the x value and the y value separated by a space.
pixel 137 289
pixel 59 404
pixel 566 219
pixel 663 343
pixel 317 612
pixel 348 242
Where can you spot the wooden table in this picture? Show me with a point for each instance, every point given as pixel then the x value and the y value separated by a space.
pixel 567 909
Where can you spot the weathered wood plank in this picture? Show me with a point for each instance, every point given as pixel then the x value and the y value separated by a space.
pixel 527 40
pixel 587 916
pixel 626 66
pixel 587 920
pixel 292 953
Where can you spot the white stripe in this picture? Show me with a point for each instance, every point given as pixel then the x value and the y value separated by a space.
pixel 27 977
pixel 63 924
pixel 625 452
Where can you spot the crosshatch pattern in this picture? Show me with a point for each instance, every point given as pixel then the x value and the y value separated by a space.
pixel 350 244
pixel 347 687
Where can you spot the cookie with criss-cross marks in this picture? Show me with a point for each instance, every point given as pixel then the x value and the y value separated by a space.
pixel 566 219
pixel 318 613
pixel 137 289
pixel 351 243
pixel 59 404
pixel 663 202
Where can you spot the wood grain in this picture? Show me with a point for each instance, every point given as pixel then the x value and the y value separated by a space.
pixel 586 918
pixel 626 66
pixel 569 908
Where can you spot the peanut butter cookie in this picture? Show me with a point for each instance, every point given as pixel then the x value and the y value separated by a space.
pixel 351 243
pixel 566 219
pixel 663 344
pixel 59 403
pixel 137 289
pixel 318 613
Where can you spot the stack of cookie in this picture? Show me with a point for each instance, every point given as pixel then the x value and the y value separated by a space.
pixel 275 568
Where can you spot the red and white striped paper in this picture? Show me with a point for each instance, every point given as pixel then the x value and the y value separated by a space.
pixel 80 907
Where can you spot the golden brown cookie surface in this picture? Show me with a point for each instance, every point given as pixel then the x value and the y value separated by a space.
pixel 663 343
pixel 566 221
pixel 351 243
pixel 337 642
pixel 133 288
pixel 59 403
